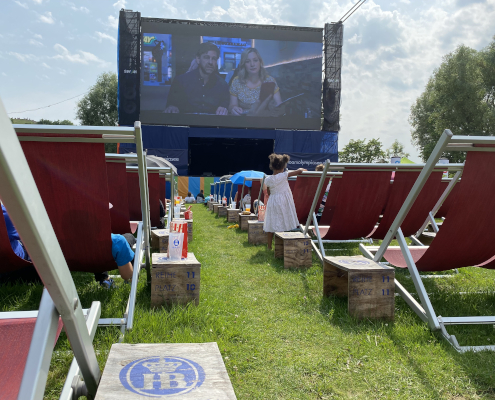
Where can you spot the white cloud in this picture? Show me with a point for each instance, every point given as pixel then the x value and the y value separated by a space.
pixel 119 4
pixel 81 9
pixel 46 65
pixel 405 1
pixel 100 36
pixel 82 57
pixel 23 5
pixel 356 39
pixel 47 17
pixel 37 36
pixel 38 1
pixel 62 71
pixel 113 22
pixel 23 57
pixel 215 14
pixel 35 43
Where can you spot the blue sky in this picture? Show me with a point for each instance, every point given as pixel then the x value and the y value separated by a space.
pixel 53 50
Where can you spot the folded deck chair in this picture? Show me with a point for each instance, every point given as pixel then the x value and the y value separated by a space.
pixel 473 241
pixel 255 190
pixel 134 196
pixel 118 196
pixel 75 193
pixel 21 197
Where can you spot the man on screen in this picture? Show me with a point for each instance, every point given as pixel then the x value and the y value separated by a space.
pixel 201 90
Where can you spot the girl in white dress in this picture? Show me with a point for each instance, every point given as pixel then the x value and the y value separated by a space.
pixel 280 214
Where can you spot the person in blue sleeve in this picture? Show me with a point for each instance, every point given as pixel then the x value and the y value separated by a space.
pixel 15 240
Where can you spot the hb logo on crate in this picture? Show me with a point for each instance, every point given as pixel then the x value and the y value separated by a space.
pixel 180 227
pixel 162 377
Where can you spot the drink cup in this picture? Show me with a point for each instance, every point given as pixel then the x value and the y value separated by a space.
pixel 175 241
pixel 177 211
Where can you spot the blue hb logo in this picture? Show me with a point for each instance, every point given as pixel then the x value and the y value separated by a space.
pixel 162 376
pixel 176 242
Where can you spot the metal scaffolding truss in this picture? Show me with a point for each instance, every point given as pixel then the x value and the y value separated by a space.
pixel 333 41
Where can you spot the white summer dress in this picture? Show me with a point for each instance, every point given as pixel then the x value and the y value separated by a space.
pixel 280 214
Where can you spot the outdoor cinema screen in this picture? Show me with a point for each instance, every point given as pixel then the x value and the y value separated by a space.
pixel 230 75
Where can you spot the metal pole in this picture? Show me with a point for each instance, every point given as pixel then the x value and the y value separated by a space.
pixel 317 196
pixel 242 194
pixel 143 188
pixel 413 194
pixel 259 194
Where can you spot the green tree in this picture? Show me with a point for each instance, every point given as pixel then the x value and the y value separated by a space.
pixel 99 106
pixel 57 122
pixel 358 151
pixel 459 96
pixel 396 150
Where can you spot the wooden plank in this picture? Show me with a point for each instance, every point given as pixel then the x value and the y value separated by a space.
pixel 334 280
pixel 232 214
pixel 279 247
pixel 159 240
pixel 243 224
pixel 256 235
pixel 215 207
pixel 356 263
pixel 371 294
pixel 370 287
pixel 183 371
pixel 298 252
pixel 175 281
pixel 222 211
pixel 210 205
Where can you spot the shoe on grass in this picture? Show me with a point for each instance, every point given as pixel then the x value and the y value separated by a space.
pixel 108 283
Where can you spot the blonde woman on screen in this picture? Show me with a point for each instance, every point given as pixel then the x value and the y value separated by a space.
pixel 253 91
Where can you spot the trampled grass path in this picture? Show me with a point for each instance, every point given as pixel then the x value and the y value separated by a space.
pixel 280 339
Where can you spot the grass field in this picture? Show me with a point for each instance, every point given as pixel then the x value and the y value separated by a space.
pixel 280 339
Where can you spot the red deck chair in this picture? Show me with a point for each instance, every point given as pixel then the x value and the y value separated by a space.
pixel 402 185
pixel 75 193
pixel 134 196
pixel 118 196
pixel 304 191
pixel 354 205
pixel 473 241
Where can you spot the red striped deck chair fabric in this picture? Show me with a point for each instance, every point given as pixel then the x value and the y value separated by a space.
pixel 117 193
pixel 74 190
pixel 304 193
pixel 355 205
pixel 255 191
pixel 16 336
pixel 134 196
pixel 471 234
pixel 402 185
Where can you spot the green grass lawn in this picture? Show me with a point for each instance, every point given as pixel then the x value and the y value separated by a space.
pixel 280 339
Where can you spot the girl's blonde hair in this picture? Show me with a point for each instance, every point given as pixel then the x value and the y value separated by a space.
pixel 242 70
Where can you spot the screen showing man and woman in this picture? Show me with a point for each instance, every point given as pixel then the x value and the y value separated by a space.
pixel 229 81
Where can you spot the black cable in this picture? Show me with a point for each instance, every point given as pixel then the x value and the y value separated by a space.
pixel 354 10
pixel 349 10
pixel 54 104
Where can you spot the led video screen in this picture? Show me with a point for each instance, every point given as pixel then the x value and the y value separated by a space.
pixel 230 75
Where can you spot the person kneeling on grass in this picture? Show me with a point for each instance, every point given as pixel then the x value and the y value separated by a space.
pixel 124 257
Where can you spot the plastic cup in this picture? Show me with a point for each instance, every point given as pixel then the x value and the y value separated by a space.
pixel 175 241
pixel 248 208
pixel 177 211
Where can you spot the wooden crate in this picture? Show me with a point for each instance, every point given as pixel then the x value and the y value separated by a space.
pixel 256 235
pixel 222 211
pixel 243 220
pixel 368 285
pixel 189 229
pixel 210 205
pixel 232 214
pixel 183 371
pixel 174 281
pixel 295 248
pixel 159 240
pixel 215 207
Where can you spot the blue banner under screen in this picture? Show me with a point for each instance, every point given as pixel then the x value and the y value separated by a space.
pixel 309 160
pixel 230 81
